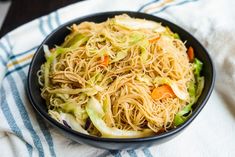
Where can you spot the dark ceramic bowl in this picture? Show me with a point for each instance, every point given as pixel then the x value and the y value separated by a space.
pixel 57 37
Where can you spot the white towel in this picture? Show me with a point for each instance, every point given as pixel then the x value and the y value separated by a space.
pixel 212 133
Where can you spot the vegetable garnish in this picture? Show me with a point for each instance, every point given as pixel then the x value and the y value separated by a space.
pixel 154 39
pixel 105 61
pixel 190 53
pixel 180 92
pixel 195 89
pixel 176 36
pixel 161 92
pixel 197 66
pixel 96 113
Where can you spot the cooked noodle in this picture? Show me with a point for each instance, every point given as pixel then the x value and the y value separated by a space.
pixel 119 67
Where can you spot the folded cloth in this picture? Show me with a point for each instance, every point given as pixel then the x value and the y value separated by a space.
pixel 24 133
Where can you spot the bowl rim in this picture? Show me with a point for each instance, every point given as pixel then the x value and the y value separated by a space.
pixel 171 132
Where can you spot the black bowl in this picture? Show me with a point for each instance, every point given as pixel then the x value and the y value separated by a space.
pixel 57 37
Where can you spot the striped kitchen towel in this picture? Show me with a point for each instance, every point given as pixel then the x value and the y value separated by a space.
pixel 24 133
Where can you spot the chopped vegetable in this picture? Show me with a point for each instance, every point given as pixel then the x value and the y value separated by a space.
pixel 176 36
pixel 179 91
pixel 107 107
pixel 135 24
pixel 70 107
pixel 197 65
pixel 96 114
pixel 175 86
pixel 46 51
pixel 96 106
pixel 105 61
pixel 161 92
pixel 143 49
pixel 168 32
pixel 72 122
pixel 87 91
pixel 120 55
pixel 144 54
pixel 74 40
pixel 154 39
pixel 200 86
pixel 195 90
pixel 192 91
pixel 96 78
pixel 68 120
pixel 190 53
pixel 50 57
pixel 135 38
pixel 160 29
pixel 145 78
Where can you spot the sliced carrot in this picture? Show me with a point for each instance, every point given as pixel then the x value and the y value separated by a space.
pixel 154 39
pixel 105 62
pixel 163 91
pixel 190 53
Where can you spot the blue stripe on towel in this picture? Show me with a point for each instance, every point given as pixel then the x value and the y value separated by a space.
pixel 3 47
pixel 42 126
pixel 11 121
pixel 22 53
pixel 11 47
pixel 50 22
pixel 47 135
pixel 132 153
pixel 46 130
pixel 24 115
pixel 3 61
pixel 57 18
pixel 42 30
pixel 145 5
pixel 175 4
pixel 41 123
pixel 16 69
pixel 8 42
pixel 147 152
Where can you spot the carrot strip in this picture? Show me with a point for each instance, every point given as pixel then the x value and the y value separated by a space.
pixel 190 53
pixel 154 39
pixel 163 91
pixel 105 62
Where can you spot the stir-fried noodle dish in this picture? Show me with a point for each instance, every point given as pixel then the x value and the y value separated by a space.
pixel 122 78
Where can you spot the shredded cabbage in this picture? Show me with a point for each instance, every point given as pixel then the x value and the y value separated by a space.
pixel 120 55
pixel 135 24
pixel 96 113
pixel 72 122
pixel 195 90
pixel 74 40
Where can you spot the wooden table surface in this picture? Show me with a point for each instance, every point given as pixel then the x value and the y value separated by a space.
pixel 23 11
